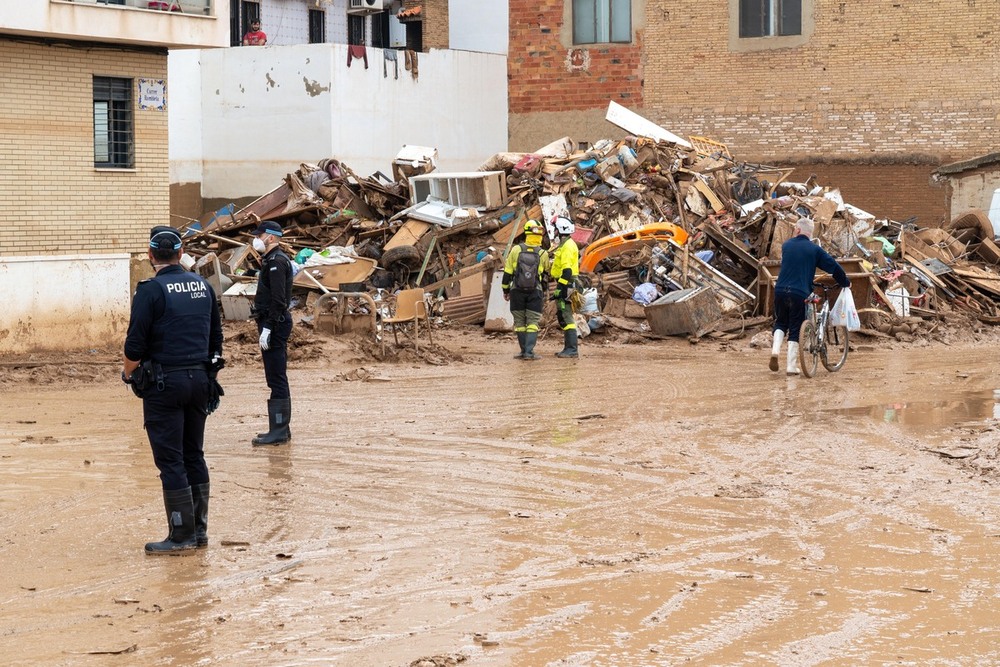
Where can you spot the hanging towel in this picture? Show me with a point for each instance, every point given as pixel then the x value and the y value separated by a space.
pixel 411 63
pixel 389 54
pixel 357 51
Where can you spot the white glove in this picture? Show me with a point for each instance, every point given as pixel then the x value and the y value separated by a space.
pixel 265 338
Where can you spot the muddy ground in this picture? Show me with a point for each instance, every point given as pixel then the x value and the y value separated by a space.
pixel 658 503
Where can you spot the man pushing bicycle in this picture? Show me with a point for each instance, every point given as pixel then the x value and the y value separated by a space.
pixel 800 257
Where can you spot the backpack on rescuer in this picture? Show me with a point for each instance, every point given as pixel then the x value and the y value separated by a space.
pixel 526 272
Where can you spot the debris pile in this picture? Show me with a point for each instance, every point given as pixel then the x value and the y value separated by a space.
pixel 677 236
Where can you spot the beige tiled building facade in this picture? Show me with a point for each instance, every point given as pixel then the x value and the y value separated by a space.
pixel 85 170
pixel 55 200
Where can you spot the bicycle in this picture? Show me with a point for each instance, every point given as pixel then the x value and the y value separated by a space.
pixel 818 339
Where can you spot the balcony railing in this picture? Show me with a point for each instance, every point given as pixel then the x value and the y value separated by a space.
pixel 201 7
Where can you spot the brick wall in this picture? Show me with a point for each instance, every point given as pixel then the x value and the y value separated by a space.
pixel 547 72
pixel 883 88
pixel 435 24
pixel 874 78
pixel 52 199
pixel 895 191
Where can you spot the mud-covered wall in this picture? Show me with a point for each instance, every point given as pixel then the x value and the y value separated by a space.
pixel 186 203
pixel 68 226
pixel 64 303
pixel 529 131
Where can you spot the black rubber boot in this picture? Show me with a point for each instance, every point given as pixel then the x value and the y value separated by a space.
pixel 529 346
pixel 279 413
pixel 520 341
pixel 270 421
pixel 199 493
pixel 261 435
pixel 569 350
pixel 180 521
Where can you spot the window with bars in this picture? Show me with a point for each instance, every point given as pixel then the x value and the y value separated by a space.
pixel 770 18
pixel 380 30
pixel 114 130
pixel 600 21
pixel 355 29
pixel 240 20
pixel 317 26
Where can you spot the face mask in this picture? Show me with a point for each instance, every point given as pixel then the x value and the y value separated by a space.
pixel 258 245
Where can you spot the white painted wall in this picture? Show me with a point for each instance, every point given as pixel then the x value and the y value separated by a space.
pixel 184 116
pixel 265 110
pixel 54 303
pixel 478 25
pixel 974 190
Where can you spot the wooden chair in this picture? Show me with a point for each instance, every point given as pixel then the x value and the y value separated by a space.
pixel 410 307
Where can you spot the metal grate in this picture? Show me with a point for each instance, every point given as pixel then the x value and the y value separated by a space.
pixel 114 130
pixel 355 29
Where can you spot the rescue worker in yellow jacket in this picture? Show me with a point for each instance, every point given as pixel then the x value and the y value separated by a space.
pixel 565 269
pixel 523 286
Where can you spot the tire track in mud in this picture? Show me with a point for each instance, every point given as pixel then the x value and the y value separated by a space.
pixel 849 517
pixel 400 458
pixel 690 524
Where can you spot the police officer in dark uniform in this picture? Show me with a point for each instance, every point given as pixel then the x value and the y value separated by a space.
pixel 274 324
pixel 174 333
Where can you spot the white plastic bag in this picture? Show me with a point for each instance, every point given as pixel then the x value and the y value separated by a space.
pixel 844 312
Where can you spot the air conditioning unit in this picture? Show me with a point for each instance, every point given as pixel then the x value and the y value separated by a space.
pixel 367 6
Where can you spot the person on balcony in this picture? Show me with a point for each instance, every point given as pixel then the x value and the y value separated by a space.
pixel 256 36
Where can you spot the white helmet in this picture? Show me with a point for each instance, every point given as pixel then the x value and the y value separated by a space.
pixel 564 226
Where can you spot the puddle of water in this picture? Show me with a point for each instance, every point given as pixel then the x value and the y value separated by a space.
pixel 960 408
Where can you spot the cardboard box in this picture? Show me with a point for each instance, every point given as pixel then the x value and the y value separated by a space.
pixel 621 307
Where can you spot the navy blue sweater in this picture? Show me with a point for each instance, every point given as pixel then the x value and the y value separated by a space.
pixel 799 259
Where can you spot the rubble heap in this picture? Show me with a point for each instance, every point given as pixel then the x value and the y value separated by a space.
pixel 655 214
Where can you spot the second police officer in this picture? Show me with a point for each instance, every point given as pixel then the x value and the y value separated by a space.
pixel 274 324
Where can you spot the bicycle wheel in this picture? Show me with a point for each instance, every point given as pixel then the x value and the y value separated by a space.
pixel 808 349
pixel 835 349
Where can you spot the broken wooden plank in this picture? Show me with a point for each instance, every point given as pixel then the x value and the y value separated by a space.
pixel 408 234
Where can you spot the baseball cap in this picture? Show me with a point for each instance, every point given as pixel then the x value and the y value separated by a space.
pixel 163 237
pixel 267 227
